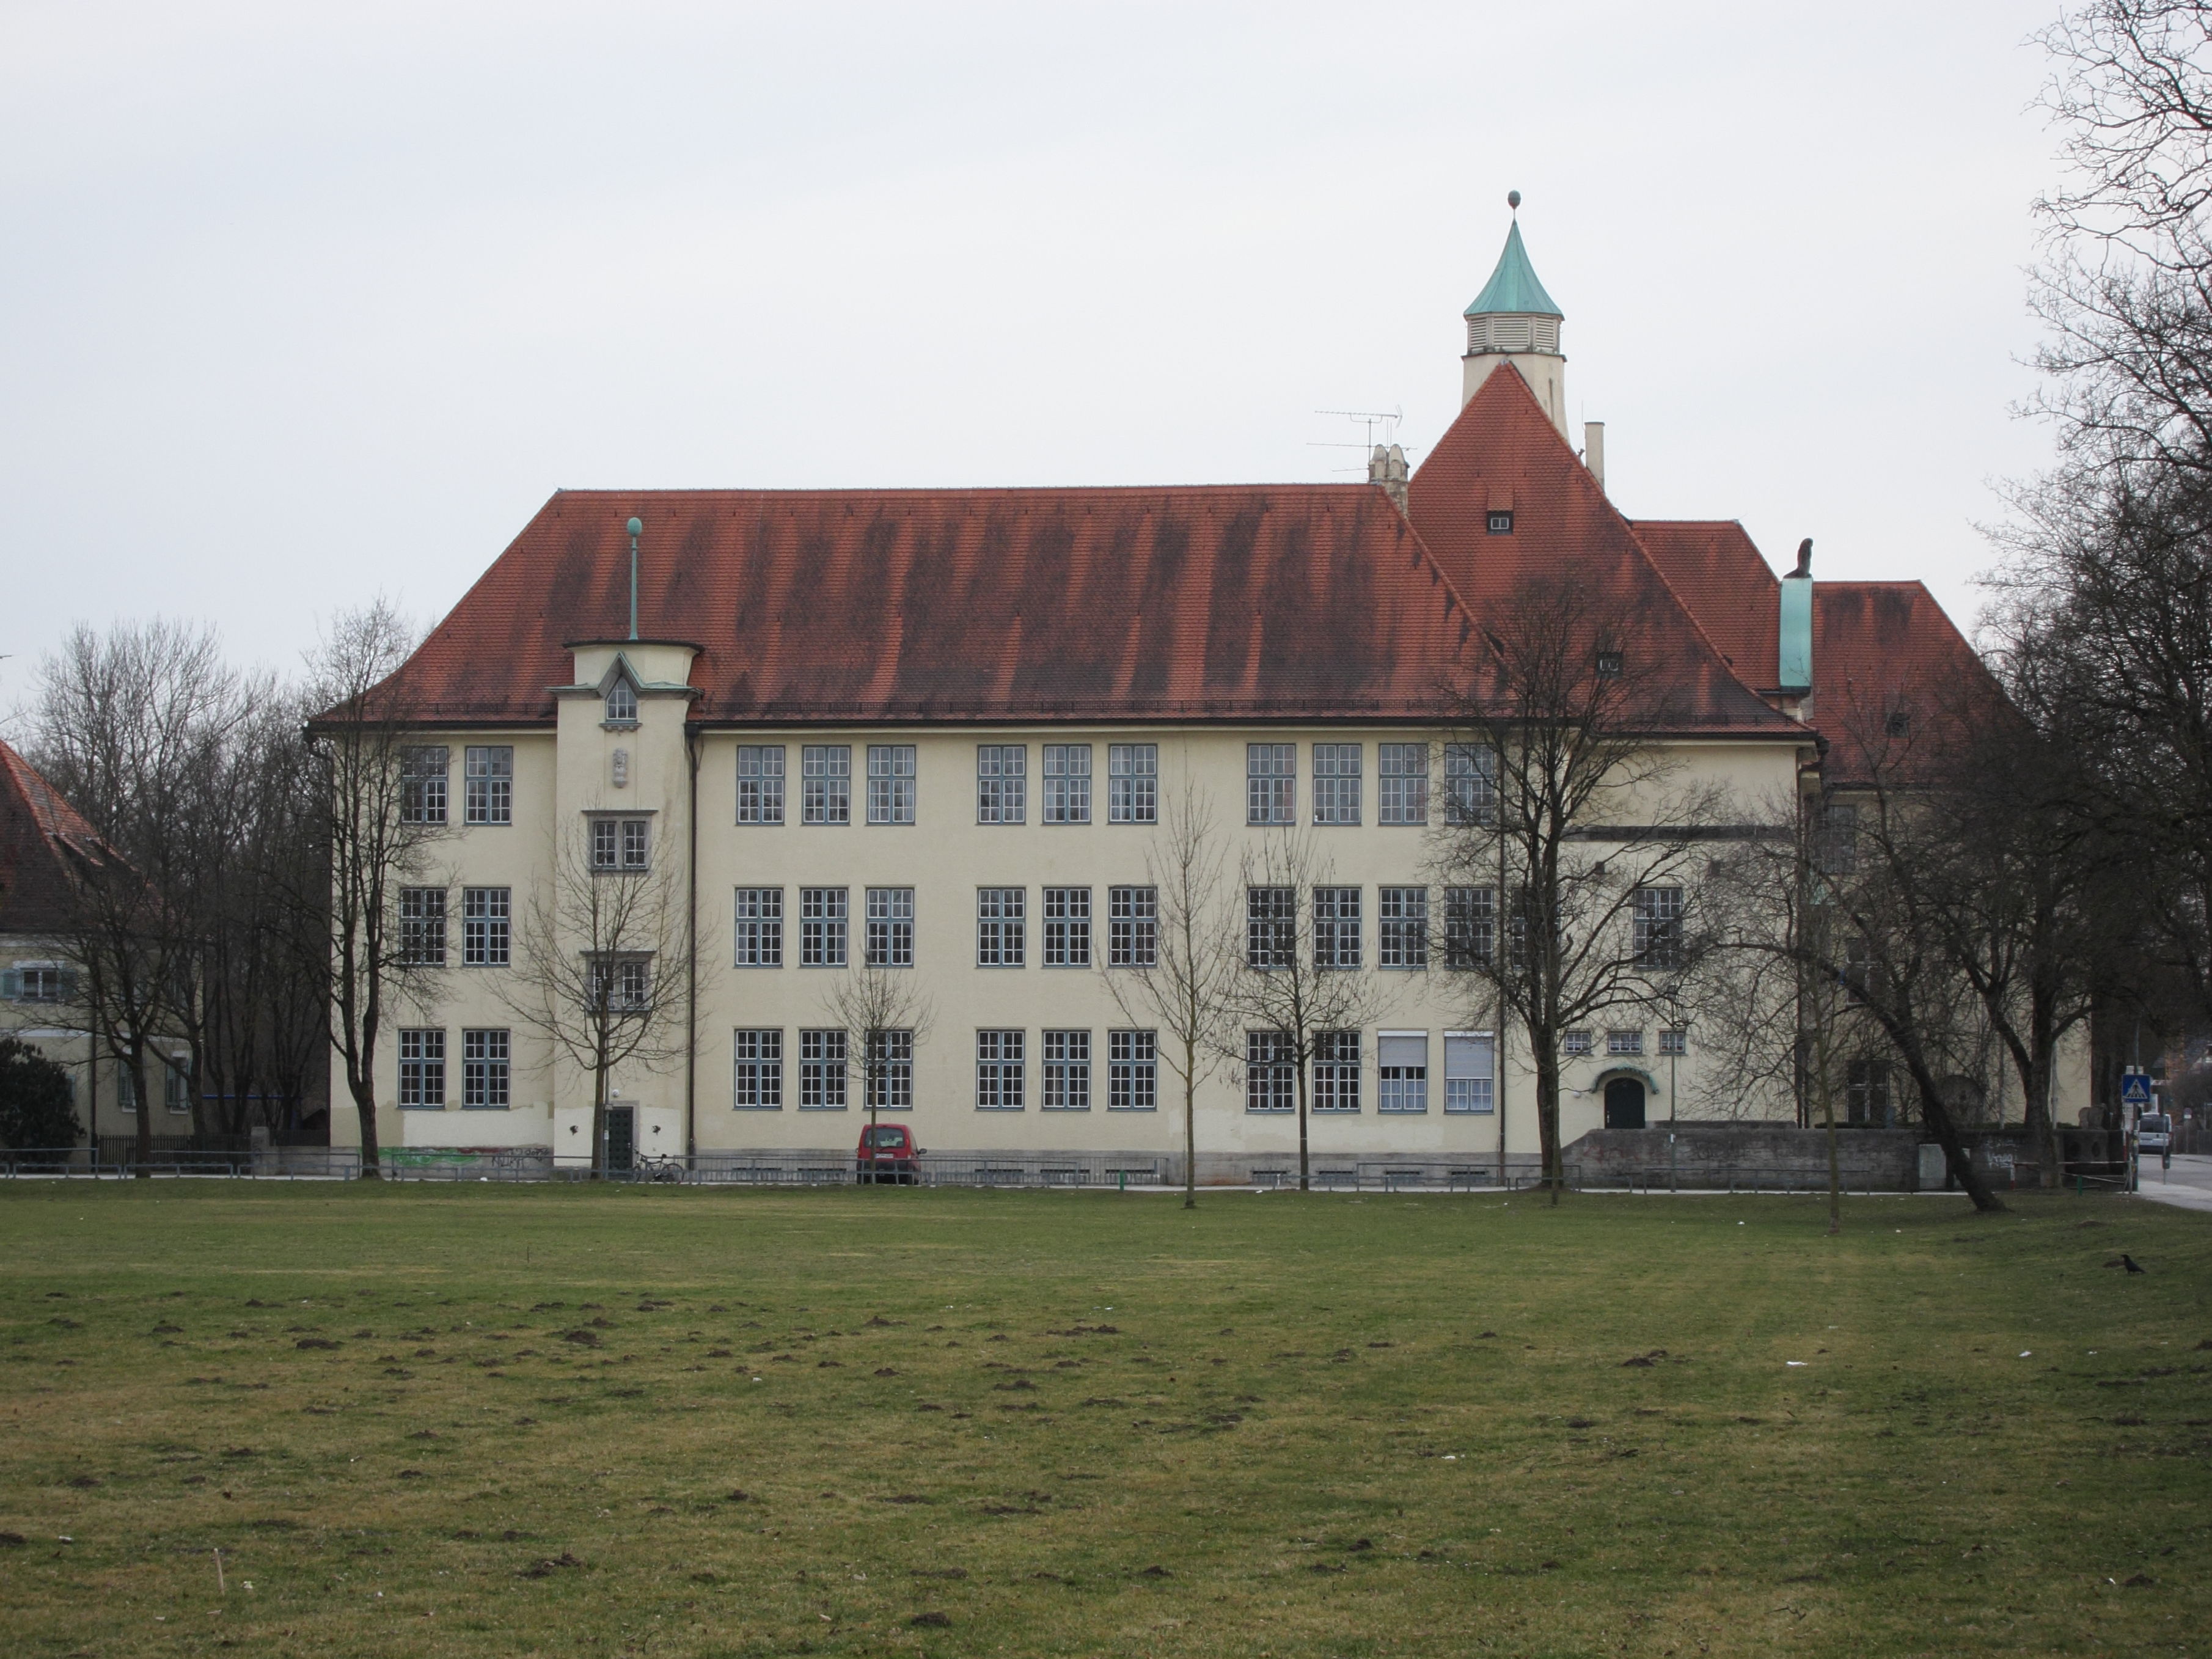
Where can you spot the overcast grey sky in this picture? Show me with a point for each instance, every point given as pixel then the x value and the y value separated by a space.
pixel 299 303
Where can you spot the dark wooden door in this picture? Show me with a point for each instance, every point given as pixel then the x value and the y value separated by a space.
pixel 621 1137
pixel 1623 1104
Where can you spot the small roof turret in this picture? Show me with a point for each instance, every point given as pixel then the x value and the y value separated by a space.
pixel 1513 288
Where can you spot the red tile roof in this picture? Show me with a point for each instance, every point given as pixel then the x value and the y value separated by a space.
pixel 1885 647
pixel 44 844
pixel 1728 586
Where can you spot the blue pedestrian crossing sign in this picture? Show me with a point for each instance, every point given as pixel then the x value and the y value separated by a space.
pixel 2135 1089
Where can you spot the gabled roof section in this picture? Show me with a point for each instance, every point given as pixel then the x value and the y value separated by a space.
pixel 1513 286
pixel 1886 648
pixel 1721 577
pixel 1259 602
pixel 1503 451
pixel 44 844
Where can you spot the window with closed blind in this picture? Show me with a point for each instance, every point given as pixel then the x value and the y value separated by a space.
pixel 1470 1073
pixel 1402 1071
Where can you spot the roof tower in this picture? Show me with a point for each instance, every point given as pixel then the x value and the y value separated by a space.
pixel 1514 320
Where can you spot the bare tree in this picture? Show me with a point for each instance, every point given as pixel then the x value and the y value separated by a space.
pixel 1564 810
pixel 1174 973
pixel 597 968
pixel 1300 981
pixel 885 1014
pixel 383 809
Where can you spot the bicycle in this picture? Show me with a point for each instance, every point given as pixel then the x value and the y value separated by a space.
pixel 650 1166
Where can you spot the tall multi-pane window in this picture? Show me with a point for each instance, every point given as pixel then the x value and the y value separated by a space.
pixel 822 1071
pixel 1658 928
pixel 1001 927
pixel 486 1070
pixel 1270 1075
pixel 1067 783
pixel 822 924
pixel 421 1068
pixel 890 928
pixel 1133 784
pixel 1133 1071
pixel 891 1070
pixel 1336 928
pixel 1271 927
pixel 1336 1072
pixel 825 783
pixel 759 1077
pixel 1470 927
pixel 422 772
pixel 1470 1058
pixel 1836 849
pixel 760 783
pixel 1067 926
pixel 1067 1071
pixel 423 927
pixel 1401 1071
pixel 1133 920
pixel 1470 783
pixel 1271 783
pixel 999 1071
pixel 490 783
pixel 486 926
pixel 1001 782
pixel 760 928
pixel 1404 917
pixel 1405 787
pixel 890 783
pixel 1336 783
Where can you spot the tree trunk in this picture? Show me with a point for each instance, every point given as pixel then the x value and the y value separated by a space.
pixel 599 1119
pixel 1548 1117
pixel 1937 1115
pixel 1828 1117
pixel 363 1090
pixel 142 1132
pixel 1305 1185
pixel 1189 1125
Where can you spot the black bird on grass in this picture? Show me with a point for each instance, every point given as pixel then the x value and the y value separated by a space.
pixel 2130 1263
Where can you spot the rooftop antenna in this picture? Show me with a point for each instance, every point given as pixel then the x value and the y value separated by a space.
pixel 636 528
pixel 1371 418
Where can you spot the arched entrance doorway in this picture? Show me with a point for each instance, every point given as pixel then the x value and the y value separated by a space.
pixel 1623 1104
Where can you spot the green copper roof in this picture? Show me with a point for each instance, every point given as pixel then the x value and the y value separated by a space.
pixel 1513 286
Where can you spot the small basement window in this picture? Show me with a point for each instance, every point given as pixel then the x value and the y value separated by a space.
pixel 1500 523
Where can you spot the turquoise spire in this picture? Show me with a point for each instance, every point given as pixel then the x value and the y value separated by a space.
pixel 1513 286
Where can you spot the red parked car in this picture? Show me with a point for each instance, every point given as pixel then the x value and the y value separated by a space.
pixel 886 1153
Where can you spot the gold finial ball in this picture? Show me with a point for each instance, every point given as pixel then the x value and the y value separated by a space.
pixel 1513 198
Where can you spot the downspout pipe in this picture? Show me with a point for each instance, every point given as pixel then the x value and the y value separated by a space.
pixel 692 958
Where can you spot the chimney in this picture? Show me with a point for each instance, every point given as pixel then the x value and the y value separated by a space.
pixel 1594 451
pixel 1387 467
pixel 1794 672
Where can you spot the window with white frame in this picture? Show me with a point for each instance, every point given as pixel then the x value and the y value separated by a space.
pixel 822 919
pixel 1401 1071
pixel 822 1071
pixel 486 926
pixel 422 776
pixel 1133 783
pixel 1002 782
pixel 1133 920
pixel 1336 783
pixel 759 1077
pixel 1270 1074
pixel 622 844
pixel 1067 926
pixel 1674 1043
pixel 1000 1071
pixel 1133 1071
pixel 1271 927
pixel 1066 783
pixel 490 783
pixel 423 927
pixel 1470 927
pixel 825 783
pixel 622 982
pixel 1067 1071
pixel 486 1070
pixel 1403 915
pixel 1403 795
pixel 622 703
pixel 760 783
pixel 1336 1072
pixel 890 783
pixel 890 928
pixel 1658 928
pixel 1336 928
pixel 891 1070
pixel 1618 1043
pixel 422 1067
pixel 1470 1072
pixel 1575 1042
pixel 759 927
pixel 1470 783
pixel 1271 783
pixel 1001 927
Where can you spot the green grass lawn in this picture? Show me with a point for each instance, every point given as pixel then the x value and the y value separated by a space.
pixel 504 1420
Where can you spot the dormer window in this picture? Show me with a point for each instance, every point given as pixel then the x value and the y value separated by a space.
pixel 1500 521
pixel 1609 665
pixel 622 703
pixel 1898 725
